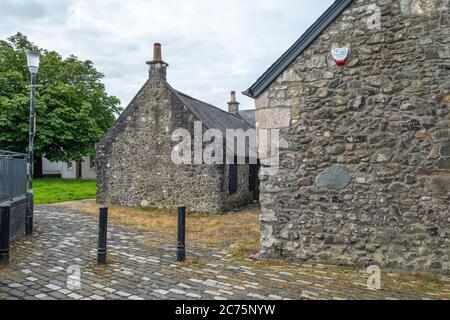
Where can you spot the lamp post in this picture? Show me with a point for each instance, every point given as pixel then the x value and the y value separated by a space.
pixel 33 65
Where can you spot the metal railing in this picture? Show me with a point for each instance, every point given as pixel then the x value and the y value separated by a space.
pixel 13 175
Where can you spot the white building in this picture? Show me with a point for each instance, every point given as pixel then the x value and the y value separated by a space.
pixel 74 170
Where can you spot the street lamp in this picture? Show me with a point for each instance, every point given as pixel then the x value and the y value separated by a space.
pixel 33 65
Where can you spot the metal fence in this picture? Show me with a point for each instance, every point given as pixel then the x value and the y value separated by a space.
pixel 13 175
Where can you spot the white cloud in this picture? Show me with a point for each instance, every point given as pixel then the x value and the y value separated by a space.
pixel 212 47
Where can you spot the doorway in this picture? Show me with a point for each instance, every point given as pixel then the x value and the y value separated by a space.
pixel 78 172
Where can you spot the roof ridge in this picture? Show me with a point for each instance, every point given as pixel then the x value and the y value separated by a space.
pixel 208 104
pixel 247 110
pixel 192 109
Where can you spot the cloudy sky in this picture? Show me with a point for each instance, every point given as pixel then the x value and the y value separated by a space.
pixel 212 47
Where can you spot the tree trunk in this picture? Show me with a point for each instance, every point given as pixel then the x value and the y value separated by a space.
pixel 38 172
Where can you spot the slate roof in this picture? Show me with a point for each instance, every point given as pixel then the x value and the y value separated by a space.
pixel 249 116
pixel 211 116
pixel 297 49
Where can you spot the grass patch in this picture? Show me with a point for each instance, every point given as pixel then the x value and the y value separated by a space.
pixel 240 230
pixel 49 190
pixel 417 278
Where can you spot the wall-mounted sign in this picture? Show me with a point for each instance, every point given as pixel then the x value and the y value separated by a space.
pixel 340 55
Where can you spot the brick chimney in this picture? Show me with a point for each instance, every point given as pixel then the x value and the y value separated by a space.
pixel 157 69
pixel 233 105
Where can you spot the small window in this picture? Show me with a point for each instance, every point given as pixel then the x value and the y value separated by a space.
pixel 92 162
pixel 233 178
pixel 69 166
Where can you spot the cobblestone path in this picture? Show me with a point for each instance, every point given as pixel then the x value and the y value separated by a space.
pixel 45 266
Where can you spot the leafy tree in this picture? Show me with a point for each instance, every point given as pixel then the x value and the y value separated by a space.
pixel 72 107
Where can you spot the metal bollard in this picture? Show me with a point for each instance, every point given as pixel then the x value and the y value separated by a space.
pixel 5 214
pixel 29 213
pixel 102 235
pixel 181 246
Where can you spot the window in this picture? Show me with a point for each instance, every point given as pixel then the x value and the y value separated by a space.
pixel 92 163
pixel 233 178
pixel 69 166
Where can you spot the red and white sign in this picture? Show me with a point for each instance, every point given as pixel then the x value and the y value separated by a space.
pixel 340 55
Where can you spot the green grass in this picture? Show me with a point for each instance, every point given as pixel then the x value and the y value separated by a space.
pixel 47 191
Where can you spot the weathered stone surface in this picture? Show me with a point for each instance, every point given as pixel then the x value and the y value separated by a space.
pixel 433 232
pixel 422 134
pixel 445 151
pixel 444 163
pixel 398 187
pixel 389 107
pixel 336 150
pixel 410 179
pixel 421 7
pixel 384 155
pixel 335 177
pixel 273 118
pixel 364 179
pixel 438 184
pixel 411 125
pixel 267 237
pixel 268 215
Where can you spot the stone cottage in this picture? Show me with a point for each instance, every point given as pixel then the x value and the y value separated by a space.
pixel 134 159
pixel 363 102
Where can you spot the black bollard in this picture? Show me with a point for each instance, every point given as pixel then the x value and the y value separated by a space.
pixel 5 213
pixel 29 214
pixel 102 235
pixel 181 246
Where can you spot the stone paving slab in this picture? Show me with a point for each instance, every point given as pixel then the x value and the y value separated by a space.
pixel 62 250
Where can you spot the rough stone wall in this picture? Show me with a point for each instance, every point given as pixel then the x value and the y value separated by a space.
pixel 134 165
pixel 365 178
pixel 134 160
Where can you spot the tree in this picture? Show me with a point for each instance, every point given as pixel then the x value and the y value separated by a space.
pixel 72 107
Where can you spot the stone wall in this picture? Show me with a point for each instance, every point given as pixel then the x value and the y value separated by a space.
pixel 134 165
pixel 366 174
pixel 134 160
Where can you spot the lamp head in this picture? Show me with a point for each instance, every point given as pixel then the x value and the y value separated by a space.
pixel 33 59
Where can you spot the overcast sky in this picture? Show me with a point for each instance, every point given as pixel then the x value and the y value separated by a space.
pixel 212 47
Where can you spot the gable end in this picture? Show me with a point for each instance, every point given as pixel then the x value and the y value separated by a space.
pixel 305 40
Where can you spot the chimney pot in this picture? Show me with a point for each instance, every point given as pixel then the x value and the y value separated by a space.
pixel 233 96
pixel 157 56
